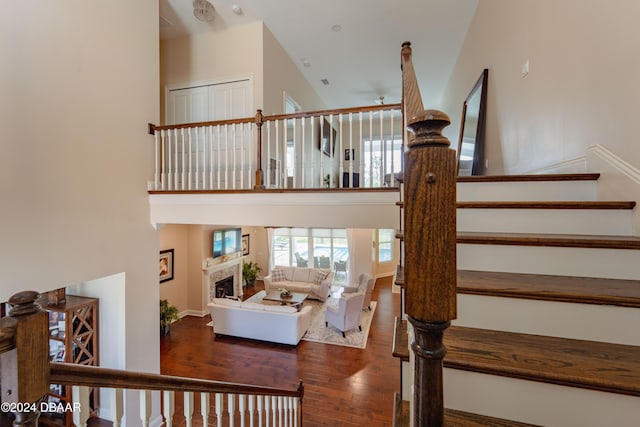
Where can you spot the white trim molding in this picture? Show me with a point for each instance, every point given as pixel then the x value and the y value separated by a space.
pixel 577 165
pixel 619 179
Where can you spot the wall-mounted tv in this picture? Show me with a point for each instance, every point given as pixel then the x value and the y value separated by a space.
pixel 227 242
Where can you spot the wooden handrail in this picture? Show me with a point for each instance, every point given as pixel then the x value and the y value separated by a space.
pixel 364 109
pixel 430 244
pixel 94 376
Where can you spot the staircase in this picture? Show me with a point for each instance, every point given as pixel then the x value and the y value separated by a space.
pixel 547 330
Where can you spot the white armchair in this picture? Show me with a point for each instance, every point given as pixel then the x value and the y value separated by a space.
pixel 348 314
pixel 365 286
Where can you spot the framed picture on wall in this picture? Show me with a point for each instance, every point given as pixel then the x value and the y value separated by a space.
pixel 245 244
pixel 327 138
pixel 166 265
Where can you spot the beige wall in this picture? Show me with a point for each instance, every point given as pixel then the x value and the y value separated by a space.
pixel 281 74
pixel 176 237
pixel 79 85
pixel 581 89
pixel 218 55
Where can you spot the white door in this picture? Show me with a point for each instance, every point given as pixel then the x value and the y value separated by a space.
pixel 210 102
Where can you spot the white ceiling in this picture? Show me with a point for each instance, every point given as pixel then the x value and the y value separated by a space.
pixel 362 61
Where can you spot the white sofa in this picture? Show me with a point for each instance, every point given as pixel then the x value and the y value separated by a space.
pixel 247 319
pixel 314 281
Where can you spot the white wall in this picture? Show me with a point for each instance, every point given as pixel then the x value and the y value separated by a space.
pixel 581 89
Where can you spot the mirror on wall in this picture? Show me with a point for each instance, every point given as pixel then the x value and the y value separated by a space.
pixel 472 129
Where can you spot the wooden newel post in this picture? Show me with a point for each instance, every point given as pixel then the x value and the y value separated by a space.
pixel 259 185
pixel 25 368
pixel 430 256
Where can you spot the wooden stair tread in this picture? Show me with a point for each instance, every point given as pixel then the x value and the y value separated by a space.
pixel 530 178
pixel 452 418
pixel 608 205
pixel 613 368
pixel 400 340
pixel 585 290
pixel 564 205
pixel 399 275
pixel 557 240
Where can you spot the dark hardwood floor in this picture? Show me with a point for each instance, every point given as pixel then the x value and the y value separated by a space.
pixel 344 386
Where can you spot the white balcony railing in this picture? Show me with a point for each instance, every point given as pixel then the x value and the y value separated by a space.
pixel 354 147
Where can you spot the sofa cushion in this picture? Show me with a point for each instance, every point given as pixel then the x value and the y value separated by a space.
pixel 252 305
pixel 227 302
pixel 278 275
pixel 301 274
pixel 280 308
pixel 320 276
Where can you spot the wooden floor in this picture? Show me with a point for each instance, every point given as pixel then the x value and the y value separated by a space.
pixel 344 386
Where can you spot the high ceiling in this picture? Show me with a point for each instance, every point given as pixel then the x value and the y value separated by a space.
pixel 361 60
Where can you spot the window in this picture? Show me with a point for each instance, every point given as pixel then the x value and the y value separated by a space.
pixel 309 247
pixel 386 240
pixel 381 159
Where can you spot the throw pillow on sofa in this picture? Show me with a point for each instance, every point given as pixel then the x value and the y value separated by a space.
pixel 320 277
pixel 278 275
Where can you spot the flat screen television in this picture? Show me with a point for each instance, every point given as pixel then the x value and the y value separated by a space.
pixel 227 242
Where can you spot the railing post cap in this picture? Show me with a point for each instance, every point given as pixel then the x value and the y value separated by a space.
pixel 24 303
pixel 427 128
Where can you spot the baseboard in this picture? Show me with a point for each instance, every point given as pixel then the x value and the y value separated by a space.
pixel 577 165
pixel 196 313
pixel 619 179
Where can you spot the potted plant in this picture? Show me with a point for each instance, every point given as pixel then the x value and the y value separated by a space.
pixel 250 271
pixel 168 314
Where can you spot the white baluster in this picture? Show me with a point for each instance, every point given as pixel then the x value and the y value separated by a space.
pixel 280 407
pixel 175 159
pixel 210 157
pixel 296 405
pixel 382 158
pixel 392 183
pixel 274 409
pixel 331 152
pixel 267 137
pixel 219 408
pixel 188 408
pixel 321 156
pixel 156 177
pixel 226 157
pixel 190 173
pixel 284 154
pixel 242 147
pixel 340 162
pixel 204 408
pixel 218 167
pixel 361 151
pixel 184 160
pixel 81 407
pixel 169 407
pixel 370 172
pixel 313 151
pixel 285 405
pixel 145 407
pixel 277 175
pixel 302 156
pixel 234 142
pixel 266 410
pixel 241 408
pixel 116 405
pixel 351 152
pixel 231 408
pixel 295 166
pixel 252 409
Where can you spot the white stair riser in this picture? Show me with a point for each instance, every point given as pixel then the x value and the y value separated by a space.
pixel 537 403
pixel 527 191
pixel 558 221
pixel 583 262
pixel 558 319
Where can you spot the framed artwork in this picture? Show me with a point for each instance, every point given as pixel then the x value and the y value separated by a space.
pixel 245 244
pixel 349 153
pixel 166 265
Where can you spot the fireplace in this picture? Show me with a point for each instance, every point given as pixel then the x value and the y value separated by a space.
pixel 224 287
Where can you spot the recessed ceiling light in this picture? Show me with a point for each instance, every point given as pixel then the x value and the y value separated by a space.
pixel 336 27
pixel 306 63
pixel 325 82
pixel 236 9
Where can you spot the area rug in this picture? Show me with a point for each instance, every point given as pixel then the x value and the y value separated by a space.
pixel 318 332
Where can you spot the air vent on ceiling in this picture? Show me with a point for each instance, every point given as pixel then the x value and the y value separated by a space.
pixel 325 82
